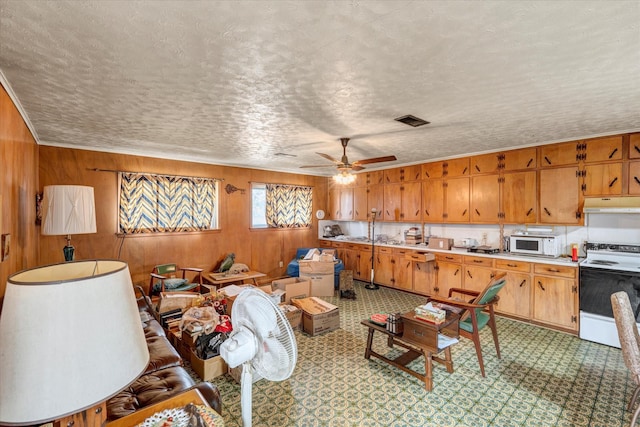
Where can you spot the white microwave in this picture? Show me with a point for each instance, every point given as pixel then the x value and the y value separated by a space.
pixel 544 245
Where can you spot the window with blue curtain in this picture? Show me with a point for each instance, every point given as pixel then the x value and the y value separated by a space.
pixel 151 203
pixel 288 206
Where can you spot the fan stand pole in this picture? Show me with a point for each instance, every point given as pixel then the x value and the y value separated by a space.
pixel 371 285
pixel 246 382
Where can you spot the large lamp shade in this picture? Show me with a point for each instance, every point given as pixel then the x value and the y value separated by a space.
pixel 70 338
pixel 68 209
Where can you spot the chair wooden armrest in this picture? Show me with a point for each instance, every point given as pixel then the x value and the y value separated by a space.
pixel 457 303
pixel 464 292
pixel 197 270
pixel 158 276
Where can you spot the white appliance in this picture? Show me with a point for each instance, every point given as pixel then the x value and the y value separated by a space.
pixel 608 268
pixel 535 244
pixel 262 339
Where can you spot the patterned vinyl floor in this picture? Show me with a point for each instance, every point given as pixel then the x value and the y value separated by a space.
pixel 545 378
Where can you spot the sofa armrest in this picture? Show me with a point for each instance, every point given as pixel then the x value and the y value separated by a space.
pixel 211 395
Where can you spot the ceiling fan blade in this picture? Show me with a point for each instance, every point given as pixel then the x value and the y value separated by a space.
pixel 356 168
pixel 375 160
pixel 328 157
pixel 318 166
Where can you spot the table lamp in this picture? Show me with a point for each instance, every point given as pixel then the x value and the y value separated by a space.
pixel 67 210
pixel 70 338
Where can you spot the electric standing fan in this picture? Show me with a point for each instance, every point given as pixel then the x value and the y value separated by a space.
pixel 262 340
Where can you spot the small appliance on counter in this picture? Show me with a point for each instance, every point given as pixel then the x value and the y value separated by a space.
pixel 332 231
pixel 535 244
pixel 483 249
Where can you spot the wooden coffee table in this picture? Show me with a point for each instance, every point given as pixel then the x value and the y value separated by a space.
pixel 420 338
pixel 218 280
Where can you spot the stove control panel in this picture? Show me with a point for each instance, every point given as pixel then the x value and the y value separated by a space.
pixel 613 247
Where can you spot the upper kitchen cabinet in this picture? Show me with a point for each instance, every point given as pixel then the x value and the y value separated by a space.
pixel 402 202
pixel 601 149
pixel 634 146
pixel 432 170
pixel 559 200
pixel 485 198
pixel 403 174
pixel 522 159
pixel 486 163
pixel 519 197
pixel 634 178
pixel 604 179
pixel 341 203
pixel 432 200
pixel 456 167
pixel 360 204
pixel 374 177
pixel 560 154
pixel 456 199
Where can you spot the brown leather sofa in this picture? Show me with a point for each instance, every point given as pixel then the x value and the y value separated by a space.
pixel 164 376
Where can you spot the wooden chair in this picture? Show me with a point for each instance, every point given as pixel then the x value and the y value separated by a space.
pixel 477 313
pixel 629 343
pixel 163 279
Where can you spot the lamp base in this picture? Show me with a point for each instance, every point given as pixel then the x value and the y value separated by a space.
pixel 371 286
pixel 68 252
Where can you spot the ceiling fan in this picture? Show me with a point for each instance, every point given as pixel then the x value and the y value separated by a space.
pixel 343 164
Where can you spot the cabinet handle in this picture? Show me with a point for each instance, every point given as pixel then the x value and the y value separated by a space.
pixel 547 211
pixel 547 160
pixel 529 211
pixel 541 287
pixel 512 265
pixel 417 212
pixel 477 168
pixel 477 261
pixel 477 213
pixel 636 148
pixel 464 212
pixel 492 275
pixel 636 179
pixel 529 162
pixel 613 182
pixel 553 270
pixel 469 274
pixel 448 257
pixel 523 283
pixel 613 152
pixel 464 171
pixel 426 211
pixel 456 273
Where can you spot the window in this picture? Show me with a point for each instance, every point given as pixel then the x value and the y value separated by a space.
pixel 280 206
pixel 152 203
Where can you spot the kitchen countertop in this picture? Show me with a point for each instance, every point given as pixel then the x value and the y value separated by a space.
pixel 566 261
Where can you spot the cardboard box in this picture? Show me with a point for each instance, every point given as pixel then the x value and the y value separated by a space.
pixel 276 295
pixel 318 316
pixel 316 267
pixel 208 369
pixel 294 287
pixel 170 301
pixel 237 372
pixel 322 285
pixel 440 243
pixel 293 314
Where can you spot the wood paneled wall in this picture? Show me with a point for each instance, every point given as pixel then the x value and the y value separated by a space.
pixel 18 187
pixel 261 250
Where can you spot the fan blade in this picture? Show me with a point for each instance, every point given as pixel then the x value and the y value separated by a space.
pixel 375 160
pixel 328 157
pixel 318 166
pixel 356 168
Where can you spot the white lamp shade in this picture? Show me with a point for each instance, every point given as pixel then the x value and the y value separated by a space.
pixel 68 209
pixel 70 337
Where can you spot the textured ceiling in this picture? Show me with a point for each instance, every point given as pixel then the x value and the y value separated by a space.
pixel 237 82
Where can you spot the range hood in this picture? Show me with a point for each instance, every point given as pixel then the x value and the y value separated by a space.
pixel 612 205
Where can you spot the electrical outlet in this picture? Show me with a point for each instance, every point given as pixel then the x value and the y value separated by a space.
pixel 281 264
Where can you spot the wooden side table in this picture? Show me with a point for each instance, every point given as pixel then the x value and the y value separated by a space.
pixel 177 401
pixel 420 339
pixel 216 280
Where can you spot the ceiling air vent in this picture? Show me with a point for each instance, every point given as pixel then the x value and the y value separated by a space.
pixel 412 121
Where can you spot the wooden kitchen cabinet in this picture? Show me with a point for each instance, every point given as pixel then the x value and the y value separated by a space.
pixel 478 272
pixel 456 167
pixel 360 204
pixel 555 296
pixel 521 159
pixel 432 200
pixel 424 277
pixel 559 154
pixel 515 296
pixel 403 269
pixel 634 146
pixel 602 179
pixel 634 178
pixel 349 258
pixel 402 202
pixel 341 203
pixel 384 267
pixel 456 195
pixel 375 199
pixel 432 170
pixel 403 174
pixel 485 199
pixel 392 202
pixel 602 149
pixel 519 198
pixel 559 200
pixel 449 273
pixel 363 269
pixel 485 163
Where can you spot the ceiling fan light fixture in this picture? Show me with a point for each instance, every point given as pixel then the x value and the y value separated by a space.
pixel 344 177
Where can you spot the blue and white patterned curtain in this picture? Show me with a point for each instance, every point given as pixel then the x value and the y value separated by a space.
pixel 288 206
pixel 152 203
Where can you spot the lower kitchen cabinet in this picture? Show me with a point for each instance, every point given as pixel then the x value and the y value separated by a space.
pixel 515 296
pixel 478 272
pixel 384 267
pixel 449 273
pixel 364 264
pixel 555 294
pixel 402 272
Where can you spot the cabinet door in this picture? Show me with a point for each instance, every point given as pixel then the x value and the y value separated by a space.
pixel 364 265
pixel 349 259
pixel 521 159
pixel 384 267
pixel 346 203
pixel 559 196
pixel 411 202
pixel 559 154
pixel 392 176
pixel 602 149
pixel 411 173
pixel 432 170
pixel 449 276
pixel 634 146
pixel 554 302
pixel 634 178
pixel 456 167
pixel 603 179
pixel 375 177
pixel 424 277
pixel 375 199
pixel 432 200
pixel 392 202
pixel 486 163
pixel 334 203
pixel 519 197
pixel 457 200
pixel 402 269
pixel 360 207
pixel 485 199
pixel 477 278
pixel 515 296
